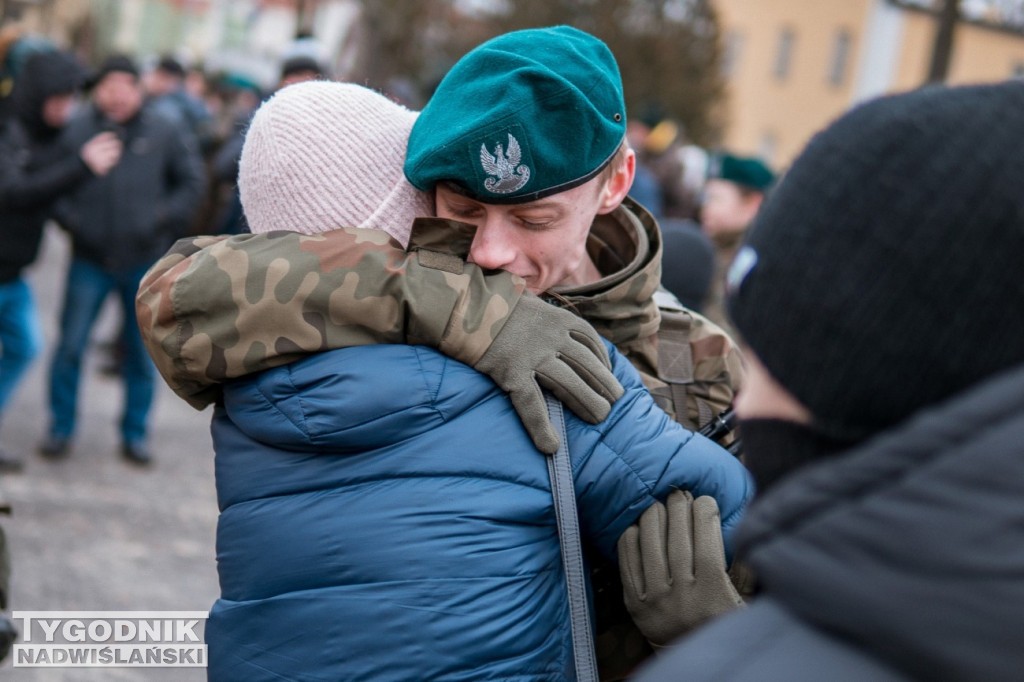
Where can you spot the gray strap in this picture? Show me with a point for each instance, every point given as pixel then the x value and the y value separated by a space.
pixel 560 471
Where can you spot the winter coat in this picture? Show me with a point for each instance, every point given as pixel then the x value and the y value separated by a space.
pixel 36 168
pixel 384 516
pixel 902 559
pixel 129 217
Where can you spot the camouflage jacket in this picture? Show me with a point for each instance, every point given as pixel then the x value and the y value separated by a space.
pixel 629 308
pixel 217 308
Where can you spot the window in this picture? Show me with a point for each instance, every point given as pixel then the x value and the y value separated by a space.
pixel 731 53
pixel 768 146
pixel 840 57
pixel 784 53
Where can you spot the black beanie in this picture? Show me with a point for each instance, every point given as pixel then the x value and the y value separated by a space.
pixel 886 270
pixel 115 63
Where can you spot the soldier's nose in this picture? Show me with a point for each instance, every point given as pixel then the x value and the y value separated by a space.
pixel 491 248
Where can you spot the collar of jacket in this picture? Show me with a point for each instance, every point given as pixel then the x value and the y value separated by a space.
pixel 909 545
pixel 441 235
pixel 626 247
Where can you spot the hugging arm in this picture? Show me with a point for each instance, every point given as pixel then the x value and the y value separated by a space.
pixel 217 308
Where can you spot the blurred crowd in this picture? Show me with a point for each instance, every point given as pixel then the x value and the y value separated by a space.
pixel 98 119
pixel 876 393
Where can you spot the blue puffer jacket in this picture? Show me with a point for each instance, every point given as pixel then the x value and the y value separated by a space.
pixel 384 516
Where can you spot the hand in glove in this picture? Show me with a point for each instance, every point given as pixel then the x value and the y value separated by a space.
pixel 542 346
pixel 673 567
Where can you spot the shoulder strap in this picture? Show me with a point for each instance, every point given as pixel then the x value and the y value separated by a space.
pixel 675 356
pixel 560 471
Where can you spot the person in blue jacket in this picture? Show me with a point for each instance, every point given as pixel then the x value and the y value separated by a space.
pixel 384 514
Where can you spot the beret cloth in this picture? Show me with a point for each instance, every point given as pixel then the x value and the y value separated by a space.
pixel 523 116
pixel 742 170
pixel 883 273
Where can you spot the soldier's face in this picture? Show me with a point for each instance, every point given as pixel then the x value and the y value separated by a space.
pixel 727 209
pixel 542 241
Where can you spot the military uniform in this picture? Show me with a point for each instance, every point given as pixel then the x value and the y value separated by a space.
pixel 259 301
pixel 629 307
pixel 298 296
pixel 218 308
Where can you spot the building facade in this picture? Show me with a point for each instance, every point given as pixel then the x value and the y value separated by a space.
pixel 792 66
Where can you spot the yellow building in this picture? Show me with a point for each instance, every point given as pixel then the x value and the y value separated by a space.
pixel 792 66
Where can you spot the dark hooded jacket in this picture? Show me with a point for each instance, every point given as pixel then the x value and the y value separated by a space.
pixel 131 216
pixel 901 559
pixel 35 167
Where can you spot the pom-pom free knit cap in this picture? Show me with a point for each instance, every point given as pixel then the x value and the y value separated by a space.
pixel 883 273
pixel 322 155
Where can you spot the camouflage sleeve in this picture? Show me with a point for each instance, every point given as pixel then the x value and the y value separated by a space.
pixel 216 308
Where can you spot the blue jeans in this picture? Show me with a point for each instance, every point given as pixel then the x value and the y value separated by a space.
pixel 87 287
pixel 20 336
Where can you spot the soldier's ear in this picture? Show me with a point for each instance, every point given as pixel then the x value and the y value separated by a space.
pixel 618 183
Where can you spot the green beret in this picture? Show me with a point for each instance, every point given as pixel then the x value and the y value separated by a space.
pixel 523 116
pixel 746 171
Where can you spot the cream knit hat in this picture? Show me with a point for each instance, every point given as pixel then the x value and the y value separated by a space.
pixel 321 155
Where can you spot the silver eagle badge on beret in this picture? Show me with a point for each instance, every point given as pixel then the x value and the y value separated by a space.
pixel 509 174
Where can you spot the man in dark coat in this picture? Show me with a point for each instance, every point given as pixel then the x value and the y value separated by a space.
pixel 36 168
pixel 119 225
pixel 880 293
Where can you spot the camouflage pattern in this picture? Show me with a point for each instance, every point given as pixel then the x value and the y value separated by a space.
pixel 627 244
pixel 216 308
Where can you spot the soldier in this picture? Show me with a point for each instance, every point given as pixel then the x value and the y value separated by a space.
pixel 500 142
pixel 437 506
pixel 735 188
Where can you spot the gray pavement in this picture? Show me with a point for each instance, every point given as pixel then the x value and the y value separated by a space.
pixel 95 532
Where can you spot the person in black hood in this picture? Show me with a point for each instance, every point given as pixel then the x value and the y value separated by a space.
pixel 36 169
pixel 119 225
pixel 880 295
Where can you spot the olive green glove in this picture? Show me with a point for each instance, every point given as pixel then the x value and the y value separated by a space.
pixel 673 567
pixel 543 346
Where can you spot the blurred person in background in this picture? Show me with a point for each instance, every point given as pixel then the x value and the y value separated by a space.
pixel 119 225
pixel 297 69
pixel 165 84
pixel 888 533
pixel 666 154
pixel 687 262
pixel 732 196
pixel 36 169
pixel 300 69
pixel 646 189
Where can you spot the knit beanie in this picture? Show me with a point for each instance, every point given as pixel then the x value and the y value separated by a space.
pixel 117 63
pixel 884 272
pixel 322 155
